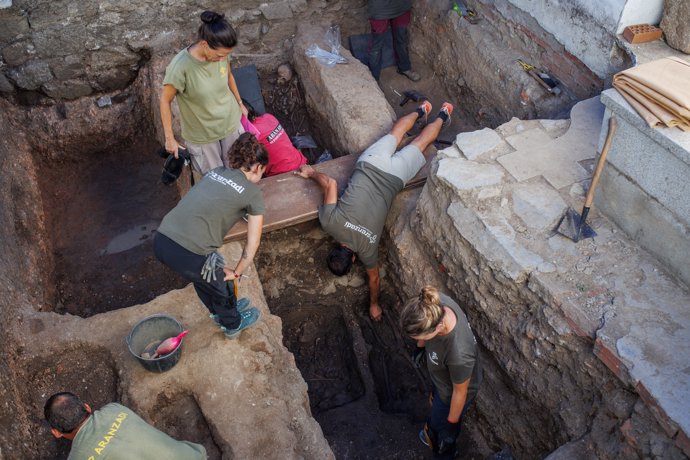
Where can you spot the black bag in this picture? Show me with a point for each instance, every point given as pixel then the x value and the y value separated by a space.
pixel 172 168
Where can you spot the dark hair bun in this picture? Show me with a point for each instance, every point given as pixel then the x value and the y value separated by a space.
pixel 209 17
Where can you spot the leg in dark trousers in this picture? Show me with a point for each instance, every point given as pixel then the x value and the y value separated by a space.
pixel 215 295
pixel 378 37
pixel 400 41
pixel 444 449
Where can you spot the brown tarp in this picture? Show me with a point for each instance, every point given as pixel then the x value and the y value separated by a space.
pixel 659 91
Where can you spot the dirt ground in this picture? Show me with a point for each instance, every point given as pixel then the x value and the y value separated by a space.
pixel 102 211
pixel 369 405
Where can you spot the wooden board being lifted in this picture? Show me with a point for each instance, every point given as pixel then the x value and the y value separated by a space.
pixel 291 200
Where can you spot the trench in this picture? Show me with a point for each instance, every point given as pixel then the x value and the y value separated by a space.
pixel 363 390
pixel 102 205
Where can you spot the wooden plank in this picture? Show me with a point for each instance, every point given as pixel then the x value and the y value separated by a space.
pixel 291 200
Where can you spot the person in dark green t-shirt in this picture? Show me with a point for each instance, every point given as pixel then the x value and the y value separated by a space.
pixel 445 339
pixel 190 234
pixel 356 220
pixel 113 432
pixel 201 80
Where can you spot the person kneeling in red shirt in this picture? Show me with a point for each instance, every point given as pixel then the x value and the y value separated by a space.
pixel 282 155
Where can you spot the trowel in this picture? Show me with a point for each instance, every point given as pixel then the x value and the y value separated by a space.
pixel 572 224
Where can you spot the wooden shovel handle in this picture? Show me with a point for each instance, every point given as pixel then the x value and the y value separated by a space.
pixel 601 162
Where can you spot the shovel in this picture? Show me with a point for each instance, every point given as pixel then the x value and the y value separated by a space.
pixel 572 224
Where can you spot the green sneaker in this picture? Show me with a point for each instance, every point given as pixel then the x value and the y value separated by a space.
pixel 242 305
pixel 249 318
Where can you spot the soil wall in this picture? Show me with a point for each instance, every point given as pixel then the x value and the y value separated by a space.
pixel 477 63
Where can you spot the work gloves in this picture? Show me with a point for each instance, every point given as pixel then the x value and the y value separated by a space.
pixel 213 261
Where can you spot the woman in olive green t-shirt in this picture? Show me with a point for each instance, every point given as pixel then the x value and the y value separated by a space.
pixel 210 105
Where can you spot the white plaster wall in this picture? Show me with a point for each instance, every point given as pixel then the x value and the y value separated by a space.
pixel 587 28
pixel 641 12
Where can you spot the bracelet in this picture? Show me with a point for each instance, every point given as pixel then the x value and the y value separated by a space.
pixel 236 275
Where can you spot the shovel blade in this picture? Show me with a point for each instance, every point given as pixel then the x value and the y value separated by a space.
pixel 572 226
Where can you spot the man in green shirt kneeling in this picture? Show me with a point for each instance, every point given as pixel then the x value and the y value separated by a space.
pixel 113 432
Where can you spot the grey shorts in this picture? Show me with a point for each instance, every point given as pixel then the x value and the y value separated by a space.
pixel 206 157
pixel 404 164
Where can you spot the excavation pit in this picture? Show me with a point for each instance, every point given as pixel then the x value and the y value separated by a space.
pixel 102 208
pixel 363 389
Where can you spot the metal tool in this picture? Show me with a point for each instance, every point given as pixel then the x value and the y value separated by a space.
pixel 412 95
pixel 464 12
pixel 549 83
pixel 572 224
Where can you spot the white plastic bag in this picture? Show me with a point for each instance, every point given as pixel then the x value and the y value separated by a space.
pixel 326 58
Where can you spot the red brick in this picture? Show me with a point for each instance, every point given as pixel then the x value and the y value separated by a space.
pixel 683 443
pixel 610 359
pixel 660 414
pixel 628 433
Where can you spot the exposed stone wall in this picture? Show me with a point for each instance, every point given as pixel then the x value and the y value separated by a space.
pixel 544 390
pixel 67 49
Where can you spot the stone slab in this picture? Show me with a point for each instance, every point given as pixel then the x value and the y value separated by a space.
pixel 494 238
pixel 477 143
pixel 467 175
pixel 557 160
pixel 348 110
pixel 530 139
pixel 538 205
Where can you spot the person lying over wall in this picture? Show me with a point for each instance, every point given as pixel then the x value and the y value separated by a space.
pixel 356 219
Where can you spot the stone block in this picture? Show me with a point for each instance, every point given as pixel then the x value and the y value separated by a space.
pixel 344 101
pixel 5 85
pixel 70 89
pixel 249 33
pixel 477 143
pixel 298 6
pixel 515 126
pixel 676 24
pixel 449 152
pixel 555 128
pixel 644 186
pixel 494 238
pixel 31 75
pixel 538 205
pixel 18 53
pixel 12 24
pixel 67 68
pixel 278 10
pixel 467 175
